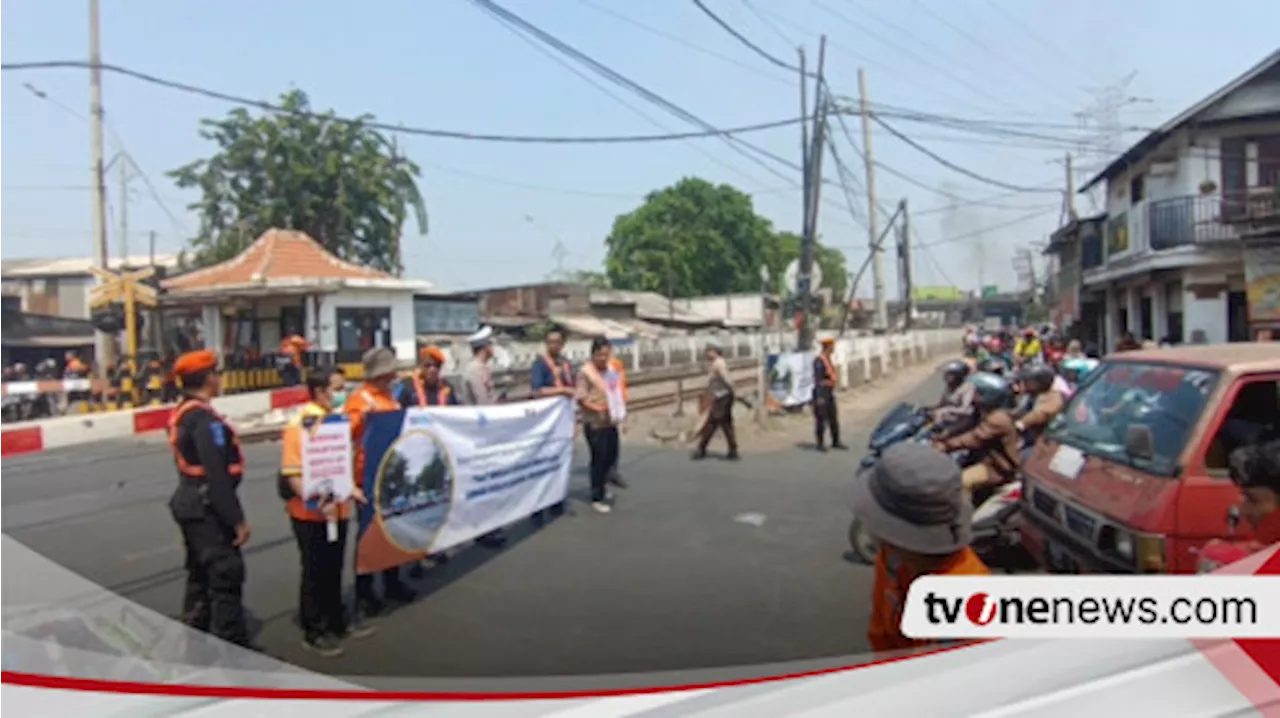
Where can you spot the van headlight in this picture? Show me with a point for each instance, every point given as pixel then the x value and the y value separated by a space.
pixel 1124 545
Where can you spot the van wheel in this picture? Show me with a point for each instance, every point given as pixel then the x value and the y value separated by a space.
pixel 863 544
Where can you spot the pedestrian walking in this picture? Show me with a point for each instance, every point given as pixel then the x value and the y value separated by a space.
pixel 720 415
pixel 374 395
pixel 825 412
pixel 320 529
pixel 205 506
pixel 597 422
pixel 477 390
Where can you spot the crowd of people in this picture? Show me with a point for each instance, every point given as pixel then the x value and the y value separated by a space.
pixel 210 465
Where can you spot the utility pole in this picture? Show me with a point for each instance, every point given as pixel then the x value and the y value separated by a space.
pixel 1071 189
pixel 804 339
pixel 106 343
pixel 904 251
pixel 877 262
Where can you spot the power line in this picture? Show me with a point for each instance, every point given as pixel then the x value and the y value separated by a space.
pixel 739 146
pixel 953 166
pixel 1029 32
pixel 991 228
pixel 681 41
pixel 428 132
pixel 746 41
pixel 765 21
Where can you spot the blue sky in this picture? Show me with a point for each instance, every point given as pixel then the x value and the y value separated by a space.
pixel 446 64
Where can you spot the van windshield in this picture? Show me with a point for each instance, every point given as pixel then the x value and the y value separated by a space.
pixel 1165 398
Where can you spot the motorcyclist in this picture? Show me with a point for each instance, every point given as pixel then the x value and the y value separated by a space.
pixel 993 365
pixel 1041 404
pixel 1028 348
pixel 957 397
pixel 994 443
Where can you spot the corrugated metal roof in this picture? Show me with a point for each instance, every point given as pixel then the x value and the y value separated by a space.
pixel 592 326
pixel 652 306
pixel 72 266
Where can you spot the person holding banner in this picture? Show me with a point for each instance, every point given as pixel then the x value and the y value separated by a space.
pixel 374 395
pixel 720 415
pixel 321 531
pixel 551 375
pixel 825 412
pixel 427 388
pixel 205 506
pixel 477 390
pixel 599 420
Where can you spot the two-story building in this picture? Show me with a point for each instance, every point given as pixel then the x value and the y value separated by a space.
pixel 1186 212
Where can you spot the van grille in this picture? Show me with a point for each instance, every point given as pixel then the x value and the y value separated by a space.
pixel 1045 504
pixel 1080 523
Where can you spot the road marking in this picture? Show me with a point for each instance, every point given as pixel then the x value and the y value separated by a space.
pixel 150 553
pixel 751 519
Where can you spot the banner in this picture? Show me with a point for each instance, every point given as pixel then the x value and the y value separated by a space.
pixel 437 477
pixel 791 378
pixel 1262 280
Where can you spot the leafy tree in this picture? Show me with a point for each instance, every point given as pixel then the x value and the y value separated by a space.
pixel 341 182
pixel 590 278
pixel 690 239
pixel 705 239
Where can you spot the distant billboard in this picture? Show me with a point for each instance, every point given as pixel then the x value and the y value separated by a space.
pixel 937 294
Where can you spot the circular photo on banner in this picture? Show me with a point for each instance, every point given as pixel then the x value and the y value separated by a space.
pixel 414 490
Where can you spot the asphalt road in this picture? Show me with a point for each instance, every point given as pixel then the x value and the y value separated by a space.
pixel 700 564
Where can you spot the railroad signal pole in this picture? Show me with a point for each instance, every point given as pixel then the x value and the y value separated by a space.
pixel 125 288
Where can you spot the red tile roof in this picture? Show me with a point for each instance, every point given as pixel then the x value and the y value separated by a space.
pixel 278 255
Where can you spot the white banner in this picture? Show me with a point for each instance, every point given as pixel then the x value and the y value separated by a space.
pixel 454 473
pixel 327 461
pixel 1093 607
pixel 791 378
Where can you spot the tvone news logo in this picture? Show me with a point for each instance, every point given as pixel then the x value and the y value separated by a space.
pixel 982 609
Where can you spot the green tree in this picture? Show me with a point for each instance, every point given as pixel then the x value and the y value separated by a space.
pixel 694 237
pixel 835 273
pixel 590 278
pixel 342 182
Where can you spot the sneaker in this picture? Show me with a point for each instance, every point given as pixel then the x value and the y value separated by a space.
pixel 732 456
pixel 822 449
pixel 698 455
pixel 370 606
pixel 601 507
pixel 323 646
pixel 840 447
pixel 618 481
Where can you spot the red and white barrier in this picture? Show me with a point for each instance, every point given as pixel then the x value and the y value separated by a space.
pixel 36 436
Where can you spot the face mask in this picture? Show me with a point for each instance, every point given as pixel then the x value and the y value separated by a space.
pixel 339 399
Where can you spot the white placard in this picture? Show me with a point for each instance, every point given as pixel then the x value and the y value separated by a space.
pixel 613 393
pixel 327 463
pixel 1067 461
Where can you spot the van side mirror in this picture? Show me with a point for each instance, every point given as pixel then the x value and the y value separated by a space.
pixel 1139 442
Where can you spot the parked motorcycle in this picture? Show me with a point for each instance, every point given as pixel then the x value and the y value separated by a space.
pixel 997 513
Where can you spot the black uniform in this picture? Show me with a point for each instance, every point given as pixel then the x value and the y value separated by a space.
pixel 825 412
pixel 205 506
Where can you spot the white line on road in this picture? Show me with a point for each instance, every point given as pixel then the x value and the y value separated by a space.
pixel 150 553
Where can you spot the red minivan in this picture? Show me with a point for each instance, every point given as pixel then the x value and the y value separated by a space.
pixel 1132 477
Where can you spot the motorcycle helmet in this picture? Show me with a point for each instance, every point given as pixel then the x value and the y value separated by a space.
pixel 992 366
pixel 991 391
pixel 956 369
pixel 1037 374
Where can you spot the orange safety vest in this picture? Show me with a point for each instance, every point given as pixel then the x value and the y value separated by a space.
pixel 424 397
pixel 561 372
pixel 829 370
pixel 616 364
pixel 195 471
pixel 889 596
pixel 291 465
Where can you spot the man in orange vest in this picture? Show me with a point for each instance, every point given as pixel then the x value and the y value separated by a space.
pixel 210 466
pixel 321 531
pixel 825 411
pixel 913 502
pixel 294 348
pixel 426 387
pixel 551 375
pixel 374 395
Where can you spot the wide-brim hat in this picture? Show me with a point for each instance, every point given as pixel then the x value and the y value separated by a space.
pixel 913 498
pixel 378 362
